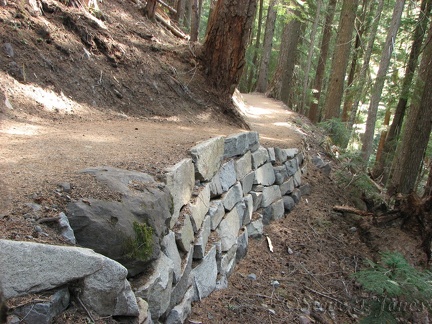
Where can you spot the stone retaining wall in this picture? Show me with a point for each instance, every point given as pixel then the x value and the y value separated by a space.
pixel 201 221
pixel 223 195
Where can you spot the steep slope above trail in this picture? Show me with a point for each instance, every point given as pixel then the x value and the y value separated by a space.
pixel 67 62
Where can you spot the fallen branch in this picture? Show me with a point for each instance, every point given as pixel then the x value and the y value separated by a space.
pixel 269 242
pixel 324 295
pixel 171 9
pixel 177 32
pixel 348 209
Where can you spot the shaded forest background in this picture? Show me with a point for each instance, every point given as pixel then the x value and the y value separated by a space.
pixel 360 68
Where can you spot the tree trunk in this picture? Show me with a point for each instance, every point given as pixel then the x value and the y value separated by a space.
pixel 360 28
pixel 286 58
pixel 252 71
pixel 320 72
pixel 180 11
pixel 361 80
pixel 309 58
pixel 294 33
pixel 340 59
pixel 187 15
pixel 150 9
pixel 417 130
pixel 195 21
pixel 396 125
pixel 380 80
pixel 225 44
pixel 267 47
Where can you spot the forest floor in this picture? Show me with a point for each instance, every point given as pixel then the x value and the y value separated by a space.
pixel 130 95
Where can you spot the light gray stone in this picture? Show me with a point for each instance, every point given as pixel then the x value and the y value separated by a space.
pixel 291 153
pixel 289 203
pixel 228 229
pixel 232 197
pixel 207 157
pixel 270 195
pixel 235 145
pixel 107 282
pixel 227 175
pixel 200 207
pixel 281 174
pixel 180 312
pixel 44 312
pixel 257 198
pixel 182 285
pixel 180 180
pixel 216 213
pixel 296 195
pixel 300 158
pixel 264 175
pixel 256 228
pixel 243 165
pixel 228 261
pixel 247 217
pixel 273 212
pixel 157 290
pixel 247 182
pixel 281 155
pixel 224 179
pixel 297 179
pixel 259 157
pixel 66 230
pixel 169 247
pixel 144 313
pixel 202 238
pixel 28 267
pixel 241 209
pixel 291 166
pixel 221 282
pixel 253 140
pixel 272 154
pixel 204 276
pixel 242 245
pixel 287 187
pixel 184 234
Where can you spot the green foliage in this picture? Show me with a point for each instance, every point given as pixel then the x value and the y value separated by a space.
pixel 337 131
pixel 391 280
pixel 141 246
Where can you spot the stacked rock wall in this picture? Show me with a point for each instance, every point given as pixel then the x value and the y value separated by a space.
pixel 223 195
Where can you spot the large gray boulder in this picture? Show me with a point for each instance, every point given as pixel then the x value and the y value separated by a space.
pixel 108 228
pixel 111 227
pixel 28 267
pixel 207 157
pixel 243 165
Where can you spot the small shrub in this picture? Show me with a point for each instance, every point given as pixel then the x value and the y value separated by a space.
pixel 394 282
pixel 337 131
pixel 140 247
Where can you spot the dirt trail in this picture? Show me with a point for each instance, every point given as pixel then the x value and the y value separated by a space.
pixel 42 153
